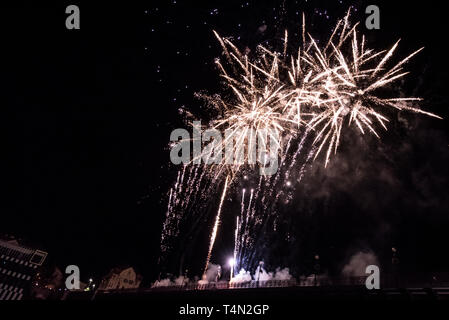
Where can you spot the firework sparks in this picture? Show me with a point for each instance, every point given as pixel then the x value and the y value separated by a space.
pixel 318 88
pixel 217 223
pixel 312 92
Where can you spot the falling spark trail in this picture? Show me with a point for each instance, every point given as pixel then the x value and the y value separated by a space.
pixel 236 243
pixel 217 222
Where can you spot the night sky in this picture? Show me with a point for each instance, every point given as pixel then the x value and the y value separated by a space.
pixel 89 114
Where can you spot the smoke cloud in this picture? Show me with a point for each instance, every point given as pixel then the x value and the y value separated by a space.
pixel 242 276
pixel 213 273
pixel 262 275
pixel 179 281
pixel 357 264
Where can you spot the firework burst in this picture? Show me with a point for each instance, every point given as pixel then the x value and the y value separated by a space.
pixel 310 92
pixel 320 88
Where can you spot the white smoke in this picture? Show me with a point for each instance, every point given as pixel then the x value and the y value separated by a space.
pixel 279 274
pixel 213 274
pixel 242 276
pixel 162 283
pixel 262 275
pixel 179 281
pixel 282 274
pixel 356 267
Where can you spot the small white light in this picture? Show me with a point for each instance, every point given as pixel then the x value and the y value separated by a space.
pixel 231 262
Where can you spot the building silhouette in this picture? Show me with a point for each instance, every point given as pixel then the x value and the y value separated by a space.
pixel 18 267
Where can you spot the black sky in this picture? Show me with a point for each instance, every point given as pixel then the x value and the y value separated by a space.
pixel 88 114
